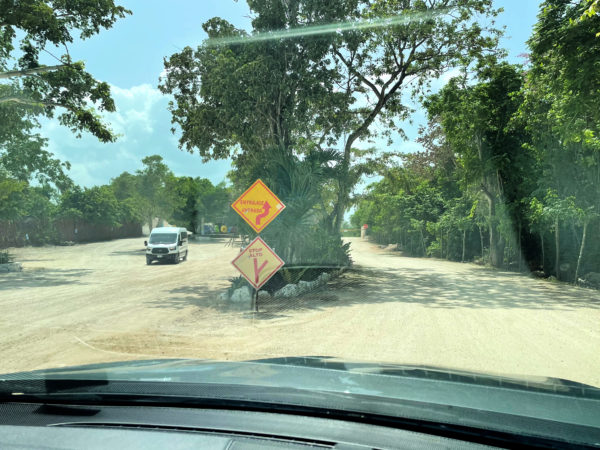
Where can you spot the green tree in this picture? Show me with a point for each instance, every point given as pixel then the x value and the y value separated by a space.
pixel 23 155
pixel 477 124
pixel 254 96
pixel 156 189
pixel 386 63
pixel 29 29
pixel 312 72
pixel 511 151
pixel 200 199
pixel 33 26
pixel 592 10
pixel 126 188
pixel 11 194
pixel 96 205
pixel 561 115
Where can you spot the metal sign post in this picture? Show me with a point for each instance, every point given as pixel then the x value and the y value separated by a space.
pixel 255 296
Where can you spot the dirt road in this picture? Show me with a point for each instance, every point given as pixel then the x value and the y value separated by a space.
pixel 100 302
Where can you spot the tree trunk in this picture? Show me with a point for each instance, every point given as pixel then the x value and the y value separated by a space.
pixel 340 206
pixel 543 253
pixel 557 248
pixel 584 234
pixel 494 253
pixel 575 235
pixel 464 245
pixel 481 240
pixel 495 257
pixel 520 251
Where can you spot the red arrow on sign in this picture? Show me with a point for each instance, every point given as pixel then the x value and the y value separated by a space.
pixel 265 213
pixel 257 263
pixel 258 270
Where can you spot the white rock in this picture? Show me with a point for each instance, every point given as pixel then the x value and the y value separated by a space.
pixel 304 286
pixel 289 290
pixel 242 295
pixel 264 295
pixel 11 267
pixel 325 277
pixel 223 296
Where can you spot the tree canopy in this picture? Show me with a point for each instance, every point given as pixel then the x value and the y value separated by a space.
pixel 33 31
pixel 513 155
pixel 313 76
pixel 117 209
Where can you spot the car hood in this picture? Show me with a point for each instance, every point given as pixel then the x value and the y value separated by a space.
pixel 319 373
pixel 550 398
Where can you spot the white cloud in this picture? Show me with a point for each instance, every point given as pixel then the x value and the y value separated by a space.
pixel 143 124
pixel 440 82
pixel 135 107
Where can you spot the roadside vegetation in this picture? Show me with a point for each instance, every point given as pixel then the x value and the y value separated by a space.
pixel 37 215
pixel 510 172
pixel 39 203
pixel 290 100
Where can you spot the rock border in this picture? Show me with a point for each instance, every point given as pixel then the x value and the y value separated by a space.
pixel 243 295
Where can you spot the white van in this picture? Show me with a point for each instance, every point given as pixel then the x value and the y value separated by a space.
pixel 167 244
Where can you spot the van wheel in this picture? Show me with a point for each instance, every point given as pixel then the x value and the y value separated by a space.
pixel 176 259
pixel 185 256
pixel 148 260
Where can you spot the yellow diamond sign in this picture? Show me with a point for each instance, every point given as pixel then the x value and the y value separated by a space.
pixel 257 263
pixel 258 206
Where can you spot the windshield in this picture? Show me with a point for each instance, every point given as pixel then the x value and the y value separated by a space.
pixel 163 238
pixel 393 182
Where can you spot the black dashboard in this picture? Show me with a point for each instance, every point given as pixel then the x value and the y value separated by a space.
pixel 25 425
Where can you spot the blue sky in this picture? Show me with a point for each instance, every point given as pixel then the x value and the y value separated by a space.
pixel 130 55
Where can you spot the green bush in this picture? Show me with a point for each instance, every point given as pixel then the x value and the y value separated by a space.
pixel 6 257
pixel 237 282
pixel 434 249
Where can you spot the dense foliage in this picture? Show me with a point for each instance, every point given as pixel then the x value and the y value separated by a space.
pixel 38 215
pixel 32 178
pixel 509 173
pixel 310 76
pixel 511 168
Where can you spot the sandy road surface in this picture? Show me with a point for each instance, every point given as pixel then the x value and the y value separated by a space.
pixel 100 302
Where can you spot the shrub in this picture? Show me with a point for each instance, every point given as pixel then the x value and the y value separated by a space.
pixel 6 257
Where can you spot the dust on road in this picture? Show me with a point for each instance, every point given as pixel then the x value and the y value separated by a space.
pixel 100 302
